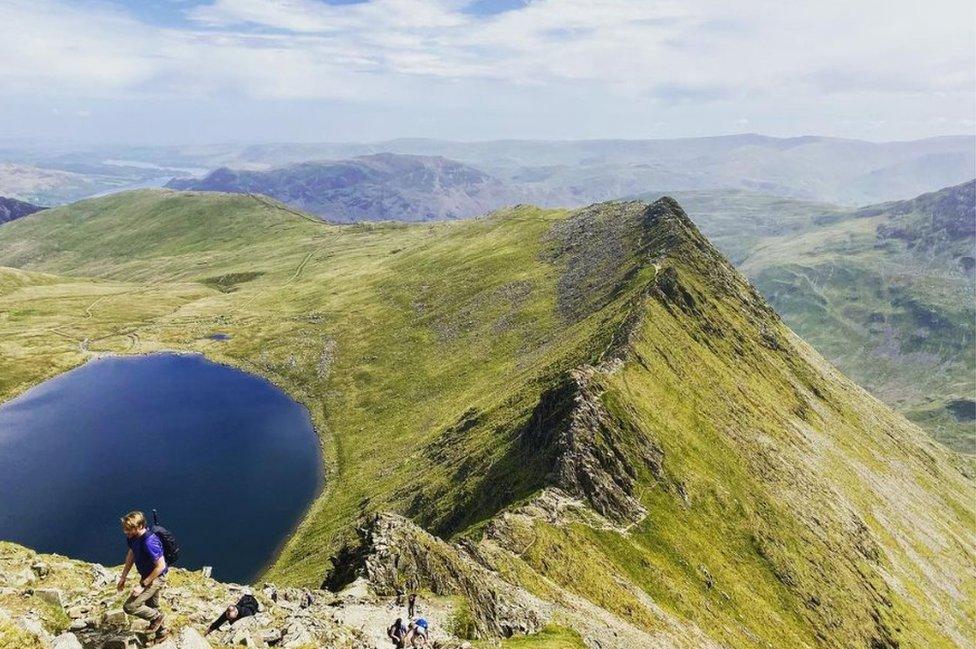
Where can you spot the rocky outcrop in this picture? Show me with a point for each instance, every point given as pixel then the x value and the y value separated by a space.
pixel 395 555
pixel 595 456
pixel 56 603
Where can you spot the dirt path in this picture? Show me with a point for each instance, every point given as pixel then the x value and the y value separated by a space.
pixel 373 617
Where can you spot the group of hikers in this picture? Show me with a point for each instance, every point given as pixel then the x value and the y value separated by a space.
pixel 408 634
pixel 152 549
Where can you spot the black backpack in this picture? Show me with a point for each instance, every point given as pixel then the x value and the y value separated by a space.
pixel 247 605
pixel 171 547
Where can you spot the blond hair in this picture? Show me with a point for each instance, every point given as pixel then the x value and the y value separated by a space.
pixel 134 520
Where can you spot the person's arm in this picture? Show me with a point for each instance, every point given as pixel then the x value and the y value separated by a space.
pixel 216 624
pixel 129 560
pixel 157 570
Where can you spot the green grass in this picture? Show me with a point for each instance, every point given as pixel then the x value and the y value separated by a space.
pixel 789 506
pixel 897 318
pixel 552 637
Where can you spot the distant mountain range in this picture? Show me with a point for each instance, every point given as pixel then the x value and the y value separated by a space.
pixel 11 208
pixel 552 173
pixel 383 186
pixel 886 292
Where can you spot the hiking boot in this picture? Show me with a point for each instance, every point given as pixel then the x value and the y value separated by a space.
pixel 156 624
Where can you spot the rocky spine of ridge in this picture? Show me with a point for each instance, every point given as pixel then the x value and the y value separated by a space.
pixel 594 456
pixel 395 555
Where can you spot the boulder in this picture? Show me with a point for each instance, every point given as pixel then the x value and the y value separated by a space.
pixel 121 642
pixel 296 634
pixel 115 619
pixel 52 596
pixel 34 626
pixel 79 624
pixel 244 623
pixel 242 630
pixel 66 641
pixel 190 638
pixel 271 636
pixel 41 569
pixel 17 578
pixel 101 576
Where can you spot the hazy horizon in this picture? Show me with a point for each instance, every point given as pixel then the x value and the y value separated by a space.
pixel 10 142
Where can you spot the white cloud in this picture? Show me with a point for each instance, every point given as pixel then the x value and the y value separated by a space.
pixel 664 52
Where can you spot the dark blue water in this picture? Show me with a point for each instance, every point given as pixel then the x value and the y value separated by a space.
pixel 229 460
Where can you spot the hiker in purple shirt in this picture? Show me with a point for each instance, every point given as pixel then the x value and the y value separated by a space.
pixel 146 553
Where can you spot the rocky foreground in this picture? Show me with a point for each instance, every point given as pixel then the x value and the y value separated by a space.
pixel 55 602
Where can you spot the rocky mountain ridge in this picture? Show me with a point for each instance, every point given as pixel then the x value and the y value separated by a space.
pixel 586 419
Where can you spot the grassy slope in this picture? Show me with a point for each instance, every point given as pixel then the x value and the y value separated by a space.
pixel 897 318
pixel 816 514
pixel 868 307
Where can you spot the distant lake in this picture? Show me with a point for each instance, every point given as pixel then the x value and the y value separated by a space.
pixel 230 461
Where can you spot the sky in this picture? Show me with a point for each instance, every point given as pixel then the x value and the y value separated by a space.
pixel 189 71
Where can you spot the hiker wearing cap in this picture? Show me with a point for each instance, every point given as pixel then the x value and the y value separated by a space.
pixel 147 555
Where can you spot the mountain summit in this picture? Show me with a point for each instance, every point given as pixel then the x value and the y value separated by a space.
pixel 585 418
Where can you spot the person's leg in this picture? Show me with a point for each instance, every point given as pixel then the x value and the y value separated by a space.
pixel 153 601
pixel 157 623
pixel 145 605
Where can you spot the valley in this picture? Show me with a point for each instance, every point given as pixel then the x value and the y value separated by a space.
pixel 885 292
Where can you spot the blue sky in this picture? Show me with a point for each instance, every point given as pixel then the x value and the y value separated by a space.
pixel 194 71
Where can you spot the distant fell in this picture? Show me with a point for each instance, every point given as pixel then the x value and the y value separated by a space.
pixel 887 292
pixel 377 187
pixel 578 172
pixel 942 218
pixel 11 208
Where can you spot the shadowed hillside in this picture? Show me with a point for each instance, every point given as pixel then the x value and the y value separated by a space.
pixel 11 208
pixel 609 425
